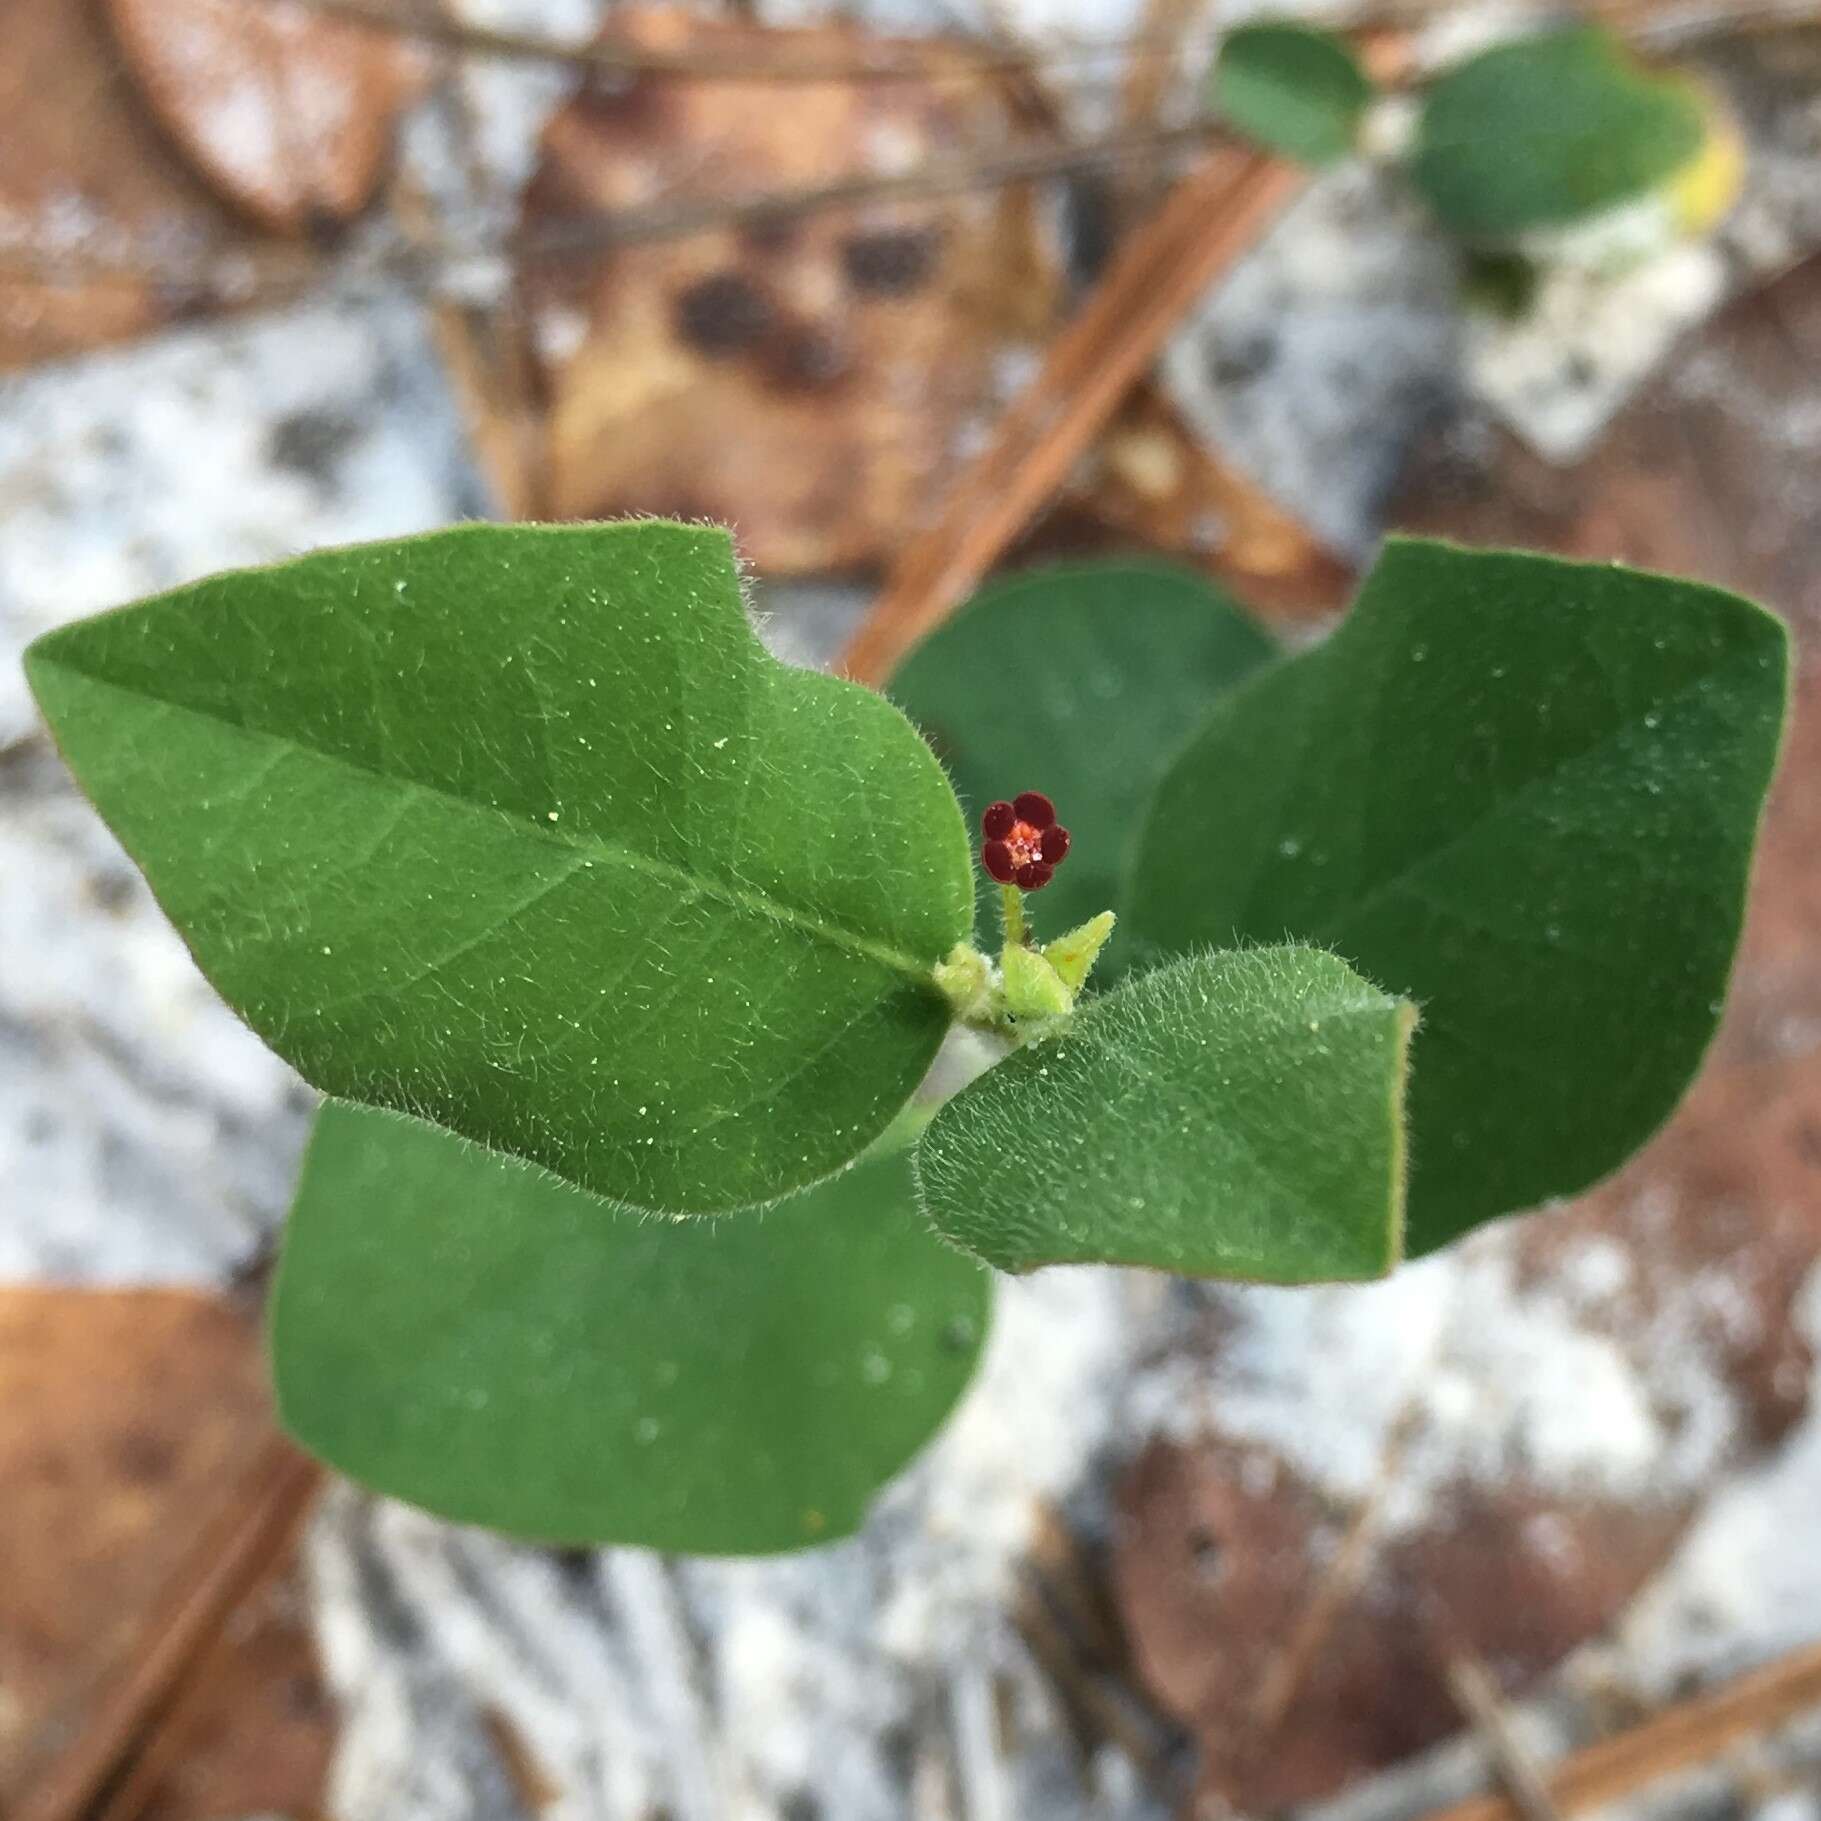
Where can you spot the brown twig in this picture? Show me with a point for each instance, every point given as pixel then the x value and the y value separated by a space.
pixel 485 345
pixel 1479 1699
pixel 934 177
pixel 1289 1669
pixel 888 61
pixel 1692 1733
pixel 1063 1613
pixel 1656 25
pixel 1286 1673
pixel 1147 87
pixel 250 276
pixel 1212 217
pixel 268 276
pixel 1649 23
pixel 234 1554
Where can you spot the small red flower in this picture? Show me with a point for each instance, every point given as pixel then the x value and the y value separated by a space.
pixel 1024 841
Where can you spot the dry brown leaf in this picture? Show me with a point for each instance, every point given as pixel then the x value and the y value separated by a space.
pixel 89 194
pixel 128 1417
pixel 1715 1227
pixel 810 383
pixel 253 1727
pixel 288 113
pixel 1223 1543
pixel 1221 1548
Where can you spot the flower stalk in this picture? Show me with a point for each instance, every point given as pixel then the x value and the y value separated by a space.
pixel 1029 992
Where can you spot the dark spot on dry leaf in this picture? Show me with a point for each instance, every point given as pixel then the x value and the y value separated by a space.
pixel 144 1459
pixel 772 233
pixel 723 314
pixel 624 103
pixel 1204 1551
pixel 890 262
pixel 182 302
pixel 848 416
pixel 804 358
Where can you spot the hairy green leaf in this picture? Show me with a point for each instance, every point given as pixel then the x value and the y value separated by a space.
pixel 1232 1115
pixel 460 1330
pixel 1523 793
pixel 1291 89
pixel 1547 130
pixel 1081 681
pixel 521 830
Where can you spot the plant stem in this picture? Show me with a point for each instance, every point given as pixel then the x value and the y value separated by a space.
pixel 1011 901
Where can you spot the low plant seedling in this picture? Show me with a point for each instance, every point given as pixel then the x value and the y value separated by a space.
pixel 1562 139
pixel 620 950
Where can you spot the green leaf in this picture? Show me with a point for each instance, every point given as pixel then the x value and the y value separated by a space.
pixel 1292 90
pixel 1080 681
pixel 460 1330
pixel 522 831
pixel 1233 1115
pixel 1547 130
pixel 1523 793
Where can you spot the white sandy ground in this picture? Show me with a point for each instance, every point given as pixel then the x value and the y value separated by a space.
pixel 145 1137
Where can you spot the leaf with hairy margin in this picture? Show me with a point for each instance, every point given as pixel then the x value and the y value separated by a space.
pixel 521 830
pixel 459 1329
pixel 1234 1115
pixel 1523 793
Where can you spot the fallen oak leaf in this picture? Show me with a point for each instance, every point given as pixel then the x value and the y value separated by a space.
pixel 98 217
pixel 808 380
pixel 289 114
pixel 129 1415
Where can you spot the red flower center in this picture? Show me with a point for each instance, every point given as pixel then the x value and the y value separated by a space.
pixel 1025 842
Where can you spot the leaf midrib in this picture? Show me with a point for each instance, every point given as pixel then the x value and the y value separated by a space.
pixel 738 898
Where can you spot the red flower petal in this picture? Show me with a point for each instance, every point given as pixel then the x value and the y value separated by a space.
pixel 1055 844
pixel 998 820
pixel 996 857
pixel 1034 807
pixel 1033 876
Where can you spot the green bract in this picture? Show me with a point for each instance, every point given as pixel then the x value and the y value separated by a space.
pixel 1236 1115
pixel 1291 89
pixel 521 830
pixel 1079 680
pixel 1547 130
pixel 1522 793
pixel 464 1331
